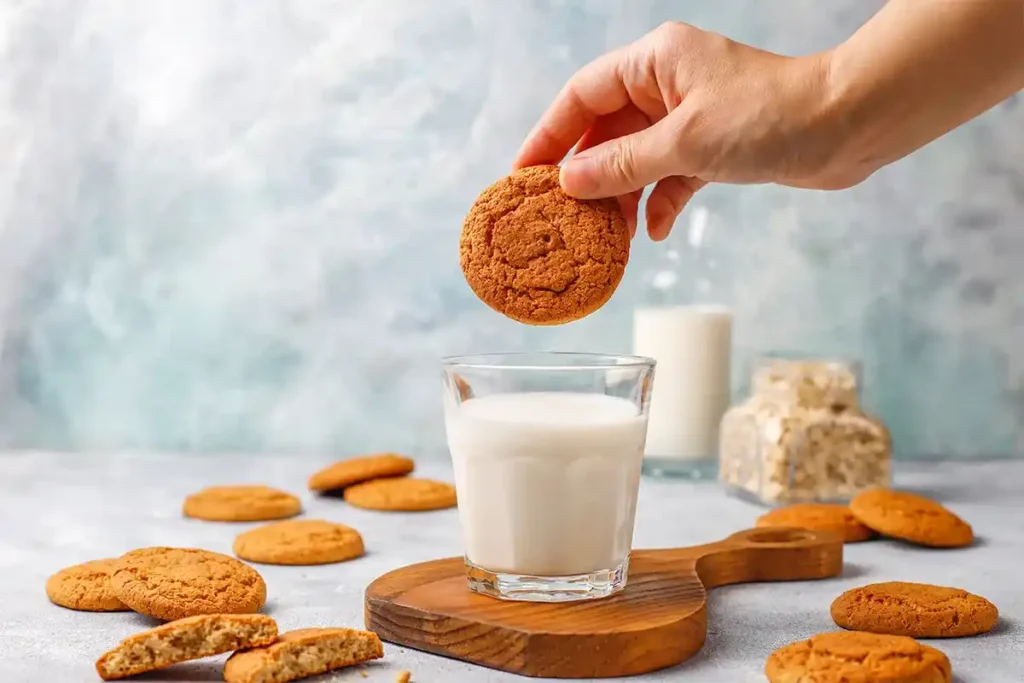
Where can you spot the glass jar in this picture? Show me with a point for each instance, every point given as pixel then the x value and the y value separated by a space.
pixel 801 436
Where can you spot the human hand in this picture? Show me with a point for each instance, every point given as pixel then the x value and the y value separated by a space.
pixel 678 109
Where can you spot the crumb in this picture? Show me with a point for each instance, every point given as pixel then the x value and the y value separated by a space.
pixel 403 677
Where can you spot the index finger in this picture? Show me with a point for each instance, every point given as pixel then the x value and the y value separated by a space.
pixel 595 90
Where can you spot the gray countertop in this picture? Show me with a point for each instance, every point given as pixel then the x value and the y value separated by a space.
pixel 61 509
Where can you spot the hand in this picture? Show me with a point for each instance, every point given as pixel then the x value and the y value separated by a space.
pixel 681 108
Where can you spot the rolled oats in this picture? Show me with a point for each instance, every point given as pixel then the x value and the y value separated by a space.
pixel 801 437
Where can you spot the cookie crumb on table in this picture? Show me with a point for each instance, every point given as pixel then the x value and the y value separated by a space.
pixel 404 677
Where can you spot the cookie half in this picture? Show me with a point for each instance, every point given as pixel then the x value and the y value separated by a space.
pixel 299 542
pixel 912 518
pixel 85 587
pixel 241 504
pixel 401 494
pixel 184 640
pixel 302 653
pixel 174 583
pixel 848 656
pixel 818 517
pixel 918 610
pixel 364 468
pixel 538 256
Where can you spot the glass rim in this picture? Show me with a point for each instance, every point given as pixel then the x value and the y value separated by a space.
pixel 570 360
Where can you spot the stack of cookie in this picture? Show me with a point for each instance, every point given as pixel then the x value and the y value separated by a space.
pixel 883 619
pixel 211 601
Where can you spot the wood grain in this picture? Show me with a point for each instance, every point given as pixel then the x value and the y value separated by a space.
pixel 659 620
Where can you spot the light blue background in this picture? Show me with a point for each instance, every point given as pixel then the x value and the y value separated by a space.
pixel 232 225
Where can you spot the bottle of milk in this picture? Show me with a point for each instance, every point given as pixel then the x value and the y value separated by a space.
pixel 689 333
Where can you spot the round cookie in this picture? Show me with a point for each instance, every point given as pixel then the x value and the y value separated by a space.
pixel 174 583
pixel 914 609
pixel 299 542
pixel 85 587
pixel 818 517
pixel 848 656
pixel 241 504
pixel 354 470
pixel 401 494
pixel 536 255
pixel 911 517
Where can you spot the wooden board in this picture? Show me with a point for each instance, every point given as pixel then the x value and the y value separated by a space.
pixel 659 620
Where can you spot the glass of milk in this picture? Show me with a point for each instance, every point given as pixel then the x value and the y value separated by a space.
pixel 547 450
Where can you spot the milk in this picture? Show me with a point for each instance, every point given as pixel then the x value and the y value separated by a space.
pixel 692 346
pixel 547 481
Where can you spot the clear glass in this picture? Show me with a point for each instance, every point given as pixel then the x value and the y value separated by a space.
pixel 801 436
pixel 547 450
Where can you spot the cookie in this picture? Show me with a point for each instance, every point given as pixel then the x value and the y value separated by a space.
pixel 85 587
pixel 538 256
pixel 184 640
pixel 848 656
pixel 354 470
pixel 911 517
pixel 403 494
pixel 914 609
pixel 818 517
pixel 241 504
pixel 299 542
pixel 302 653
pixel 173 583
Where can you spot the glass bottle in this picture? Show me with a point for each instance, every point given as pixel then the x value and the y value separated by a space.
pixel 682 326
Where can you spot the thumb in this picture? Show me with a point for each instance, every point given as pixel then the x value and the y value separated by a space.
pixel 625 164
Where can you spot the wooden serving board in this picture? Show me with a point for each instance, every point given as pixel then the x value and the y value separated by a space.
pixel 659 620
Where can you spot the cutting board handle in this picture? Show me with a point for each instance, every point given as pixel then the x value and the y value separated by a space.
pixel 768 554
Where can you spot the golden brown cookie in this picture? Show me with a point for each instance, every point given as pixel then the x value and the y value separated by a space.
pixel 851 656
pixel 535 254
pixel 403 494
pixel 911 517
pixel 184 640
pixel 85 587
pixel 364 468
pixel 818 517
pixel 241 504
pixel 299 542
pixel 914 609
pixel 174 583
pixel 302 653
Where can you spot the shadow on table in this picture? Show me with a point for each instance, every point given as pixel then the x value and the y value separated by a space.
pixel 189 671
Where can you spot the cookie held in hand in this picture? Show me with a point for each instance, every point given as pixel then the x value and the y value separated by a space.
pixel 538 256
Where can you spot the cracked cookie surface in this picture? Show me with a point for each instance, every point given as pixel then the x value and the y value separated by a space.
pixel 173 583
pixel 537 255
pixel 85 587
pixel 300 542
pixel 910 517
pixel 849 657
pixel 914 609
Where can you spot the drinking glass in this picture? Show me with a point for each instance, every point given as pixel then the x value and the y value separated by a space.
pixel 547 450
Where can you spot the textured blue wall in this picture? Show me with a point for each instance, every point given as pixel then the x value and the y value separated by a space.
pixel 232 225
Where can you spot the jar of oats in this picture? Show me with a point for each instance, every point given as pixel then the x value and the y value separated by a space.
pixel 801 435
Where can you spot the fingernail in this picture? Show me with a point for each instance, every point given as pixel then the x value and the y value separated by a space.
pixel 579 175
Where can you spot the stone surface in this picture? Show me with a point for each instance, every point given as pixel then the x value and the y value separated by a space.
pixel 233 225
pixel 56 510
